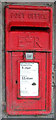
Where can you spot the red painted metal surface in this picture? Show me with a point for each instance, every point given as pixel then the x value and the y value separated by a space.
pixel 28 29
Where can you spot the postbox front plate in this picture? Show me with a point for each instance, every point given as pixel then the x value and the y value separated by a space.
pixel 25 103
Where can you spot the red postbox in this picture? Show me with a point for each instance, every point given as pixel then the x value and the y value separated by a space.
pixel 28 59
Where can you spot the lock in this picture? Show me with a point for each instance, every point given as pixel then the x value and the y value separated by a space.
pixel 29 56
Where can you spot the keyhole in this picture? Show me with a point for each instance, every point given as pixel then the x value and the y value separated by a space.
pixel 16 81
